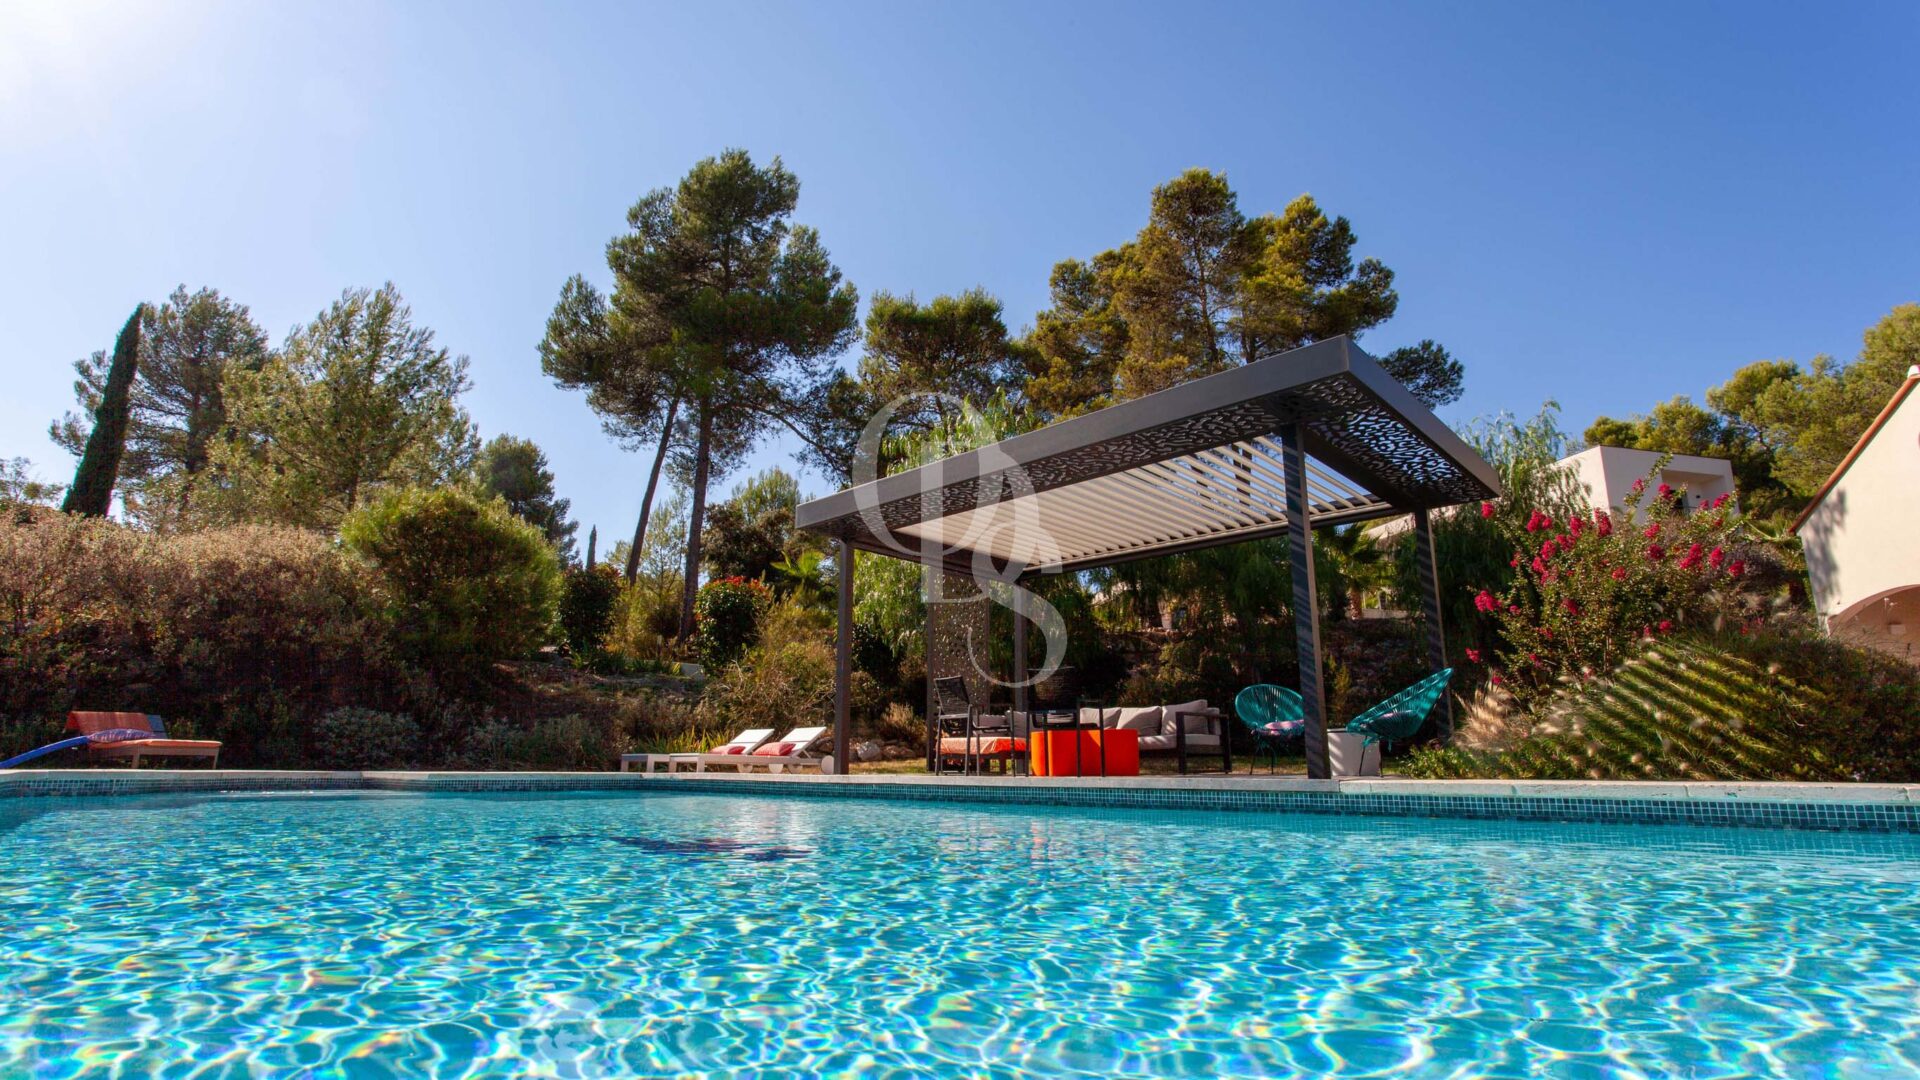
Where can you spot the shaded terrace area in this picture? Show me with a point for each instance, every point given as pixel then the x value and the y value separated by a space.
pixel 1298 441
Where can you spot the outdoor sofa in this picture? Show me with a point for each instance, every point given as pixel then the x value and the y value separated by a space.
pixel 1183 729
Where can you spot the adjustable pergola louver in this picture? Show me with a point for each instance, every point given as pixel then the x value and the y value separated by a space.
pixel 1310 438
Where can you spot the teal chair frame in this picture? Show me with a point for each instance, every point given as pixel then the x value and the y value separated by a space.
pixel 1400 716
pixel 1263 704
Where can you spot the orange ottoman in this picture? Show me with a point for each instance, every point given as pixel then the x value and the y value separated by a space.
pixel 1077 752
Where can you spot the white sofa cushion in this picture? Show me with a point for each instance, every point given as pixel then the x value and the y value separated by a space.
pixel 1196 742
pixel 1145 720
pixel 1107 717
pixel 1196 724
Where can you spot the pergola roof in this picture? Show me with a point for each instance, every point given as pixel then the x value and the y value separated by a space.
pixel 1193 466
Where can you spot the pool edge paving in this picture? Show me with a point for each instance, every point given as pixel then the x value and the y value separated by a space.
pixel 1825 807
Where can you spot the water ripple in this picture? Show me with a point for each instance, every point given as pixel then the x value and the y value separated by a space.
pixel 687 935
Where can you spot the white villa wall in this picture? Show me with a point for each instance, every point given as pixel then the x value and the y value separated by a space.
pixel 1863 538
pixel 1609 472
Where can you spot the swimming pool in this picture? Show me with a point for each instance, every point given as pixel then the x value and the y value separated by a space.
pixel 596 935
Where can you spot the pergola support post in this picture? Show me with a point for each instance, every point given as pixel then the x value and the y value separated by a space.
pixel 843 663
pixel 1428 569
pixel 1020 673
pixel 1306 600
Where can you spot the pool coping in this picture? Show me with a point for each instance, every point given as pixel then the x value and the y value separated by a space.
pixel 1826 807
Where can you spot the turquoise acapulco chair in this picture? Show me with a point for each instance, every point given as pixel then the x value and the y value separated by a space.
pixel 1400 716
pixel 1277 717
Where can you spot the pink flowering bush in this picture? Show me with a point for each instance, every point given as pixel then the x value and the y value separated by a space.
pixel 1590 586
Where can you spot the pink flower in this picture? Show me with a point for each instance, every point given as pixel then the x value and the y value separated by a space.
pixel 1716 557
pixel 1537 521
pixel 1691 559
pixel 1485 602
pixel 1575 524
pixel 1619 573
pixel 1540 566
pixel 1548 547
pixel 1646 631
pixel 1497 680
pixel 1640 485
pixel 1656 552
pixel 1572 608
pixel 1486 509
pixel 1665 490
pixel 1514 562
pixel 1666 626
pixel 1721 499
pixel 1533 658
pixel 1736 567
pixel 1566 542
pixel 1604 523
pixel 1651 531
pixel 1473 656
pixel 1513 609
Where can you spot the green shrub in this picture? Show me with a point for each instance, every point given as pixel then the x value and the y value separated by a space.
pixel 241 634
pixel 21 734
pixel 727 616
pixel 646 616
pixel 567 743
pixel 467 582
pixel 613 663
pixel 1771 705
pixel 785 679
pixel 873 653
pixel 586 608
pixel 898 723
pixel 353 738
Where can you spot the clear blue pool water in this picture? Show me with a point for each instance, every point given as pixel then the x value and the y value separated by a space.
pixel 372 935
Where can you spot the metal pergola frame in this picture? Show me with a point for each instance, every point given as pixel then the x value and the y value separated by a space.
pixel 1307 439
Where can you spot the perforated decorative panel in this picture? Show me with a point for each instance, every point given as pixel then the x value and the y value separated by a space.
pixel 1192 466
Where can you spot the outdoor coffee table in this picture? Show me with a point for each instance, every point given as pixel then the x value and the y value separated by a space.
pixel 1069 746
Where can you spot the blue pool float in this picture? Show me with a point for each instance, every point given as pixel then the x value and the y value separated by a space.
pixel 113 736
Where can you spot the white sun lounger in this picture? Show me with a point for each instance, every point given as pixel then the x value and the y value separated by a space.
pixel 801 739
pixel 801 756
pixel 747 741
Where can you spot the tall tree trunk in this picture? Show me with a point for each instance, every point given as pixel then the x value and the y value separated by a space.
pixel 697 514
pixel 92 491
pixel 195 457
pixel 653 484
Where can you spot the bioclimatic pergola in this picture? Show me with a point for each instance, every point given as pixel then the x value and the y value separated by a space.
pixel 1306 439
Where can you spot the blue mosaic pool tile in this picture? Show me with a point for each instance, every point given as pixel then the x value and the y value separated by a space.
pixel 1731 812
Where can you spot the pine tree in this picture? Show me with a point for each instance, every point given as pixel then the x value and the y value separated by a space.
pixel 92 491
pixel 516 470
pixel 357 402
pixel 739 310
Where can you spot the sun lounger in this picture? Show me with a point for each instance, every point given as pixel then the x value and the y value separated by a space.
pixel 794 750
pixel 133 746
pixel 743 743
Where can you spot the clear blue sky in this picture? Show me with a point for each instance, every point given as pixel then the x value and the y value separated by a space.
pixel 1605 206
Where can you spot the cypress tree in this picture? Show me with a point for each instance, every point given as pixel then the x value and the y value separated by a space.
pixel 593 540
pixel 92 490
